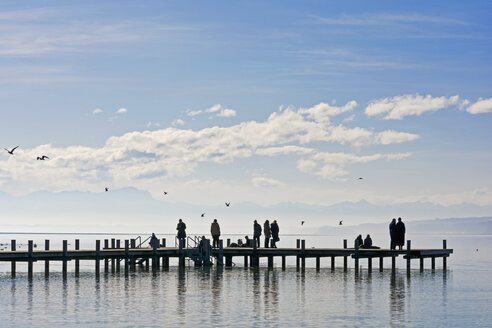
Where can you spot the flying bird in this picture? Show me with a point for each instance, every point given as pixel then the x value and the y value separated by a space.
pixel 203 215
pixel 340 223
pixel 360 178
pixel 42 158
pixel 165 192
pixel 11 152
pixel 302 223
pixel 106 189
pixel 228 204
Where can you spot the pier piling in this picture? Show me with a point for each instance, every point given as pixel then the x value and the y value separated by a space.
pixel 12 265
pixel 77 261
pixel 165 259
pixel 409 249
pixel 345 256
pixel 444 258
pixel 29 258
pixel 64 260
pixel 47 262
pixel 127 262
pixel 96 258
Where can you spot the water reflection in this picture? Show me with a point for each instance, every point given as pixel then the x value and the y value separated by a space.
pixel 181 293
pixel 397 300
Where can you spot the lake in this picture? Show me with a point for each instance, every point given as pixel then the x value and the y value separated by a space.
pixel 248 297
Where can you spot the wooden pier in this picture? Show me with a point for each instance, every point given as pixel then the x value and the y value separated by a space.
pixel 129 256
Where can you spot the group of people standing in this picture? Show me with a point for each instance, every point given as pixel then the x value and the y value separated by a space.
pixel 270 231
pixel 397 234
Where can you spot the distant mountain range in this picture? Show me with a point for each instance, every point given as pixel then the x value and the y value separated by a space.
pixel 129 210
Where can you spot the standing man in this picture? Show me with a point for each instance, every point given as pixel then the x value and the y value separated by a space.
pixel 256 233
pixel 267 232
pixel 181 227
pixel 400 234
pixel 275 231
pixel 215 232
pixel 392 228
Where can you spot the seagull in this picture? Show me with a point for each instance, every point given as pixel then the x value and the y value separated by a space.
pixel 340 223
pixel 302 223
pixel 203 215
pixel 42 158
pixel 11 152
pixel 360 178
pixel 106 189
pixel 228 204
pixel 165 192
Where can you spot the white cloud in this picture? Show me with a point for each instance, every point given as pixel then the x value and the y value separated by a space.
pixel 349 118
pixel 323 111
pixel 265 182
pixel 140 157
pixel 400 106
pixel 97 111
pixel 192 113
pixel 480 107
pixel 178 122
pixel 221 111
pixel 122 111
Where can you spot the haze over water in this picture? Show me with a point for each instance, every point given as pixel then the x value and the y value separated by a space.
pixel 247 297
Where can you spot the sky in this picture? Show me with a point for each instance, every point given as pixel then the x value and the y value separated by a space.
pixel 249 101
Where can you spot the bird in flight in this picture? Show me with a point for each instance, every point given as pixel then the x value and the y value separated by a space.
pixel 106 189
pixel 302 223
pixel 11 152
pixel 340 223
pixel 165 192
pixel 360 178
pixel 203 215
pixel 42 158
pixel 228 204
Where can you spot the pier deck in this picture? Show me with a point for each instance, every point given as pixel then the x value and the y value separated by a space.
pixel 138 255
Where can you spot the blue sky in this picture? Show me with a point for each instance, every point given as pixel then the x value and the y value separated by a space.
pixel 249 101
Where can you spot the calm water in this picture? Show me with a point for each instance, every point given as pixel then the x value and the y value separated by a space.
pixel 246 297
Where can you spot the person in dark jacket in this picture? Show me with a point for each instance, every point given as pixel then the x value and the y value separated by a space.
pixel 400 234
pixel 274 229
pixel 267 232
pixel 256 233
pixel 154 241
pixel 358 241
pixel 367 242
pixel 181 227
pixel 392 227
pixel 247 242
pixel 215 232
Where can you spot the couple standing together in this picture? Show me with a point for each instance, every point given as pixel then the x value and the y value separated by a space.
pixel 270 231
pixel 397 234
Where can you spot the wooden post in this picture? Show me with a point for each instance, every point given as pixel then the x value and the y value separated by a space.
pixel 298 259
pixel 393 263
pixel 165 259
pixel 356 256
pixel 46 263
pixel 155 257
pixel 228 242
pixel 303 248
pixel 369 264
pixel 12 264
pixel 318 264
pixel 345 257
pixel 113 260
pixel 220 256
pixel 409 248
pixel 270 262
pixel 283 263
pixel 77 262
pixel 433 263
pixel 255 260
pixel 245 261
pixel 228 261
pixel 132 260
pixel 444 258
pixel 98 249
pixel 64 261
pixel 106 260
pixel 381 264
pixel 421 264
pixel 181 255
pixel 332 263
pixel 127 252
pixel 29 258
pixel 118 246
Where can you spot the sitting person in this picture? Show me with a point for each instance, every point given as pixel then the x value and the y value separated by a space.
pixel 368 243
pixel 248 242
pixel 358 241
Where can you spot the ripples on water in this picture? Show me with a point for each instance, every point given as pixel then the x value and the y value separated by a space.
pixel 247 297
